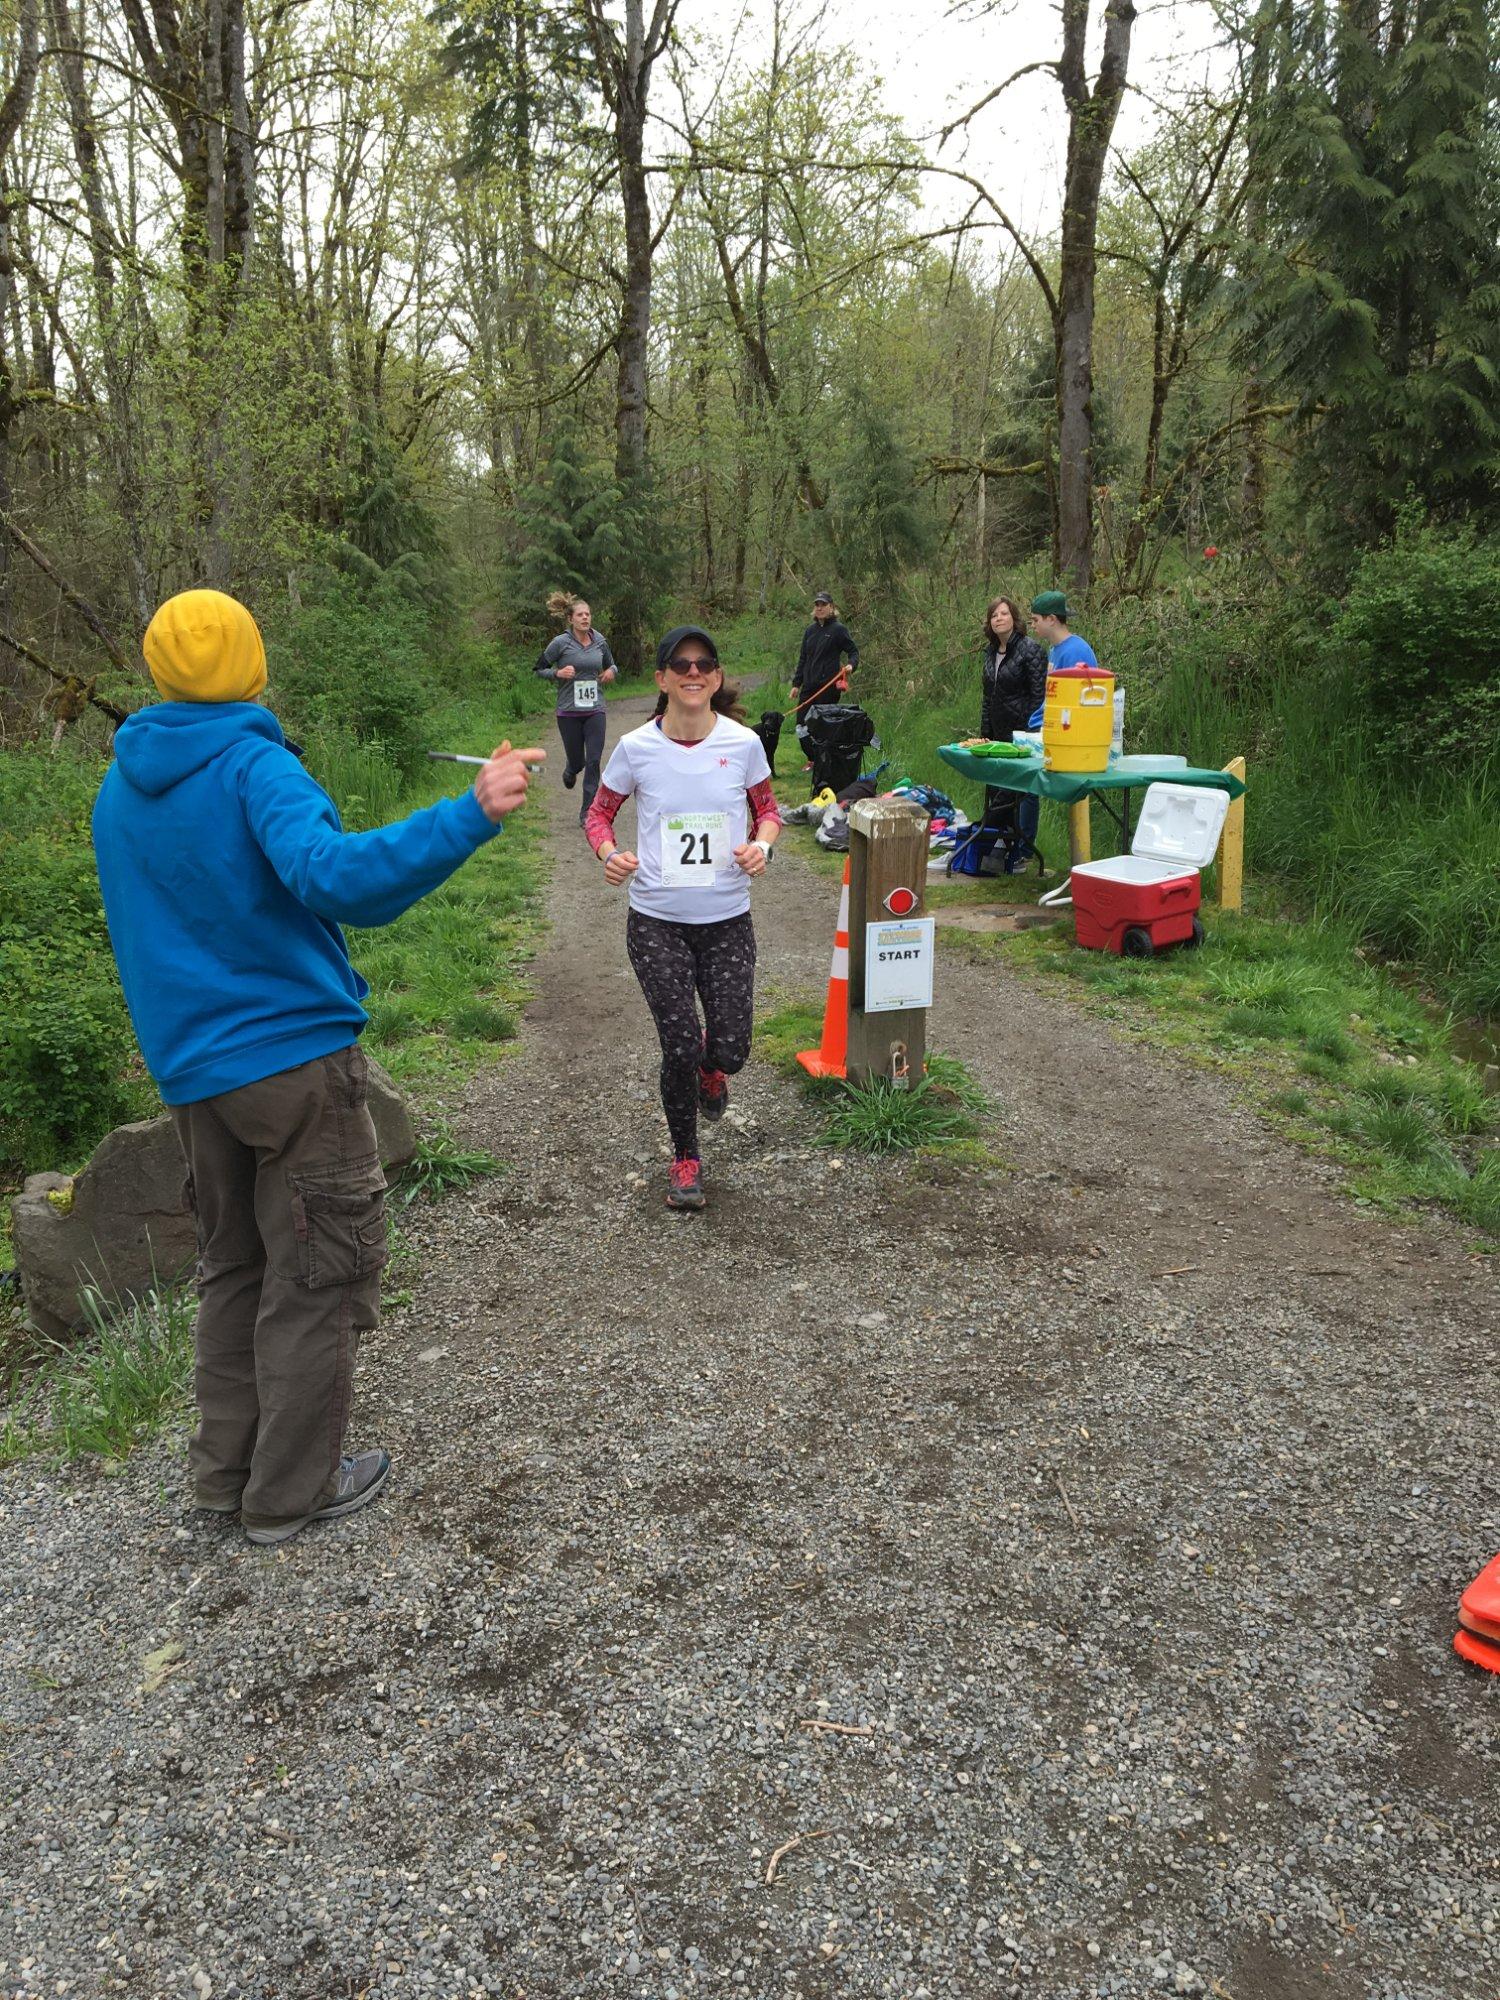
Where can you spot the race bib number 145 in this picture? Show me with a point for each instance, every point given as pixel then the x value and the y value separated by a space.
pixel 693 847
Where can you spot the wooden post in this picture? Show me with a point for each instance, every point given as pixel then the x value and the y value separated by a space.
pixel 887 851
pixel 1232 845
pixel 1080 837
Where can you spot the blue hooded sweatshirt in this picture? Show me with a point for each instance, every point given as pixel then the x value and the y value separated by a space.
pixel 226 874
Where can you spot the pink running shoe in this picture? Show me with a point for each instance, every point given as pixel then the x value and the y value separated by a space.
pixel 713 1094
pixel 685 1185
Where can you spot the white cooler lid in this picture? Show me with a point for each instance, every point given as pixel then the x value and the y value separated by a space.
pixel 1180 823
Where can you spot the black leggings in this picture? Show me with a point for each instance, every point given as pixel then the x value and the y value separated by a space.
pixel 677 963
pixel 583 746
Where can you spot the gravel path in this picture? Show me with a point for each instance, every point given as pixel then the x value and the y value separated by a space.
pixel 1089 1626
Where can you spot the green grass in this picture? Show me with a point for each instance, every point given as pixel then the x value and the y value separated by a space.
pixel 786 1028
pixel 101 1398
pixel 441 1166
pixel 943 1110
pixel 363 779
pixel 879 1118
pixel 1335 1049
pixel 398 1281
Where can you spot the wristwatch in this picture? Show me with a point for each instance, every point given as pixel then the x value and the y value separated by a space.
pixel 765 848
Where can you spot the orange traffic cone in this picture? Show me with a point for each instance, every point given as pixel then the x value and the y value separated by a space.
pixel 1478 1636
pixel 829 1060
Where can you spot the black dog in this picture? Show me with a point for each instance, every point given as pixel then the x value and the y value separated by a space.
pixel 768 729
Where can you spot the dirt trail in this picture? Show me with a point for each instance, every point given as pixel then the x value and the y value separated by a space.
pixel 1090 1625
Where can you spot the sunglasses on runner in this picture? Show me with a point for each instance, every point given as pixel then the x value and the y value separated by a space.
pixel 687 666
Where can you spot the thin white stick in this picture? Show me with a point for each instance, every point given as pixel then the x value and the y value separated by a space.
pixel 786 1848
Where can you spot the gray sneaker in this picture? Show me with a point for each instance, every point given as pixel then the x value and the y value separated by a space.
pixel 360 1479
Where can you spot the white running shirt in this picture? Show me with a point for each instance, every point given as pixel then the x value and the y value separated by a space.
pixel 691 813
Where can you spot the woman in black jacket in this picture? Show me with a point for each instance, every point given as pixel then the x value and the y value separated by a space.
pixel 1015 672
pixel 1015 685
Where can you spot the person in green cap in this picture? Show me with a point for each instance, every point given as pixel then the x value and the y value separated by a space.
pixel 1049 621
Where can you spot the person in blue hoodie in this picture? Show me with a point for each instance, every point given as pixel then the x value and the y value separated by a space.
pixel 226 875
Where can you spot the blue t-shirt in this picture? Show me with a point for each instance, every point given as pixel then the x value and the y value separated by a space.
pixel 1072 652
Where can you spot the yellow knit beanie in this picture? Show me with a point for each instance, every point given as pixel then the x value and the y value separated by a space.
pixel 205 646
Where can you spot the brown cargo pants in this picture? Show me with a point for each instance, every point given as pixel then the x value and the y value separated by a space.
pixel 286 1184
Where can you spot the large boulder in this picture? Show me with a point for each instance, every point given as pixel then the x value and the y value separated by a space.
pixel 394 1130
pixel 122 1225
pixel 119 1227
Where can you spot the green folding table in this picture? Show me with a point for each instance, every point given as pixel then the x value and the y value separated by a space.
pixel 1075 789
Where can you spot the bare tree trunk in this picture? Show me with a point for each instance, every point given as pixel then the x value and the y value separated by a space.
pixel 193 59
pixel 635 316
pixel 121 436
pixel 1253 467
pixel 744 487
pixel 624 68
pixel 1091 124
pixel 13 109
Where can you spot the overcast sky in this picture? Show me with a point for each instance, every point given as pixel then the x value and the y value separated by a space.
pixel 935 61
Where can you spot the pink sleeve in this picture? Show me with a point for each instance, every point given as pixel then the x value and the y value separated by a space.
pixel 600 824
pixel 762 801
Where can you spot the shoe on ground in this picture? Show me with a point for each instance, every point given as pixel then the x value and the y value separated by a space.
pixel 216 1506
pixel 360 1479
pixel 685 1185
pixel 713 1094
pixel 570 779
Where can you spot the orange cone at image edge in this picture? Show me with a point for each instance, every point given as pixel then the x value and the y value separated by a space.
pixel 203 645
pixel 831 1056
pixel 1478 1636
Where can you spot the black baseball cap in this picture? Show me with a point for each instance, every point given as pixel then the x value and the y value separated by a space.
pixel 675 638
pixel 822 598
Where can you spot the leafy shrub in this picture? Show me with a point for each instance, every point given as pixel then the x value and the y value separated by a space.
pixel 1421 630
pixel 64 1041
pixel 355 662
pixel 65 1037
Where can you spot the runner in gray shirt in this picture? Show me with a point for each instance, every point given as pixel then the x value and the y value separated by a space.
pixel 580 662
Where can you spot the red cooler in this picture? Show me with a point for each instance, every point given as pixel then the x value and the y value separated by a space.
pixel 1138 902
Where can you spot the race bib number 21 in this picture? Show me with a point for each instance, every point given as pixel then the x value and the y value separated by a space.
pixel 693 847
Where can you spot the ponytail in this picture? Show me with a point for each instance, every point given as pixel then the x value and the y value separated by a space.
pixel 560 605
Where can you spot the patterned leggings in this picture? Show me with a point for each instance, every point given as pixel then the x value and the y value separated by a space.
pixel 676 964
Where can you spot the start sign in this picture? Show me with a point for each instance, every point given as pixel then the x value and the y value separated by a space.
pixel 898 965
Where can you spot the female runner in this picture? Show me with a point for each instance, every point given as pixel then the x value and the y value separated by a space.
pixel 580 662
pixel 705 826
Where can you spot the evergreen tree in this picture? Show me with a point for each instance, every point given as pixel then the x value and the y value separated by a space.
pixel 1375 299
pixel 389 534
pixel 880 521
pixel 531 68
pixel 570 531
